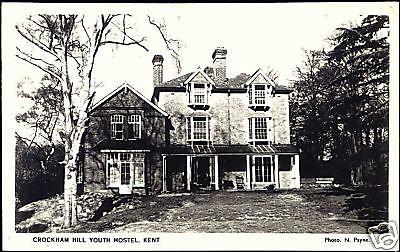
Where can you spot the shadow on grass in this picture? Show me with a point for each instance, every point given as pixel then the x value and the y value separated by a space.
pixel 23 215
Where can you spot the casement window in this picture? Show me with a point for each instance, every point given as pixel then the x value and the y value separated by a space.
pixel 259 94
pixel 198 94
pixel 198 128
pixel 134 127
pixel 260 129
pixel 125 169
pixel 263 169
pixel 117 126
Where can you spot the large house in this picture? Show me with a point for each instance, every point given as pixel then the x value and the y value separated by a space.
pixel 200 130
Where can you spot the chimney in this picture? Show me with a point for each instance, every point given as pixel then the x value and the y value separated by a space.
pixel 219 65
pixel 209 71
pixel 157 70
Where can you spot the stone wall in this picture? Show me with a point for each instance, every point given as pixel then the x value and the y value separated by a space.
pixel 229 116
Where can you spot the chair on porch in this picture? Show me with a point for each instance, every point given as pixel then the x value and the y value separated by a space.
pixel 239 183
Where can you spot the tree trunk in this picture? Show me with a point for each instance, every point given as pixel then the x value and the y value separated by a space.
pixel 70 190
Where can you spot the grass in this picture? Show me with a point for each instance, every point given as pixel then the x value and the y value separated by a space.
pixel 301 211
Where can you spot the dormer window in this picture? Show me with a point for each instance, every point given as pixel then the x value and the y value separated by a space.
pixel 198 94
pixel 259 95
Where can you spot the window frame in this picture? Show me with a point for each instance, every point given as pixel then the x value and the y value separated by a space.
pixel 132 123
pixel 191 130
pixel 255 99
pixel 114 163
pixel 266 171
pixel 195 91
pixel 114 122
pixel 253 128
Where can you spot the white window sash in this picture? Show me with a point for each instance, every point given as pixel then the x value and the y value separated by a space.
pixel 115 120
pixel 193 130
pixel 134 122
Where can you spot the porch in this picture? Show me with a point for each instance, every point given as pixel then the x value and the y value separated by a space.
pixel 237 167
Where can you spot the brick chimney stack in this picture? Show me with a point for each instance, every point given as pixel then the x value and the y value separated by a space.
pixel 219 65
pixel 157 70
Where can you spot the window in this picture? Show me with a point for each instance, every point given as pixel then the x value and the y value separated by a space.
pixel 259 94
pixel 198 94
pixel 134 127
pixel 259 128
pixel 125 173
pixel 125 168
pixel 285 162
pixel 198 129
pixel 117 123
pixel 263 171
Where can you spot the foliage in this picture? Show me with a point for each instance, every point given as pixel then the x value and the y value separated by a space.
pixel 340 105
pixel 32 182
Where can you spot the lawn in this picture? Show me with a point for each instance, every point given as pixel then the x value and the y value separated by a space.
pixel 301 211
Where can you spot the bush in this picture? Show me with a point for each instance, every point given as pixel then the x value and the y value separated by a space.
pixel 32 182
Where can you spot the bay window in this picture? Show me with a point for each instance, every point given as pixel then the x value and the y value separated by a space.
pixel 125 169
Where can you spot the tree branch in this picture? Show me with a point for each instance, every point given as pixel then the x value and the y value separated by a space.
pixel 40 67
pixel 36 43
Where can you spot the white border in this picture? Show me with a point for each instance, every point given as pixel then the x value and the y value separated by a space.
pixel 187 241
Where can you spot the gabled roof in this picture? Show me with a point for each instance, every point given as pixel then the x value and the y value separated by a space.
pixel 237 82
pixel 255 75
pixel 202 73
pixel 121 87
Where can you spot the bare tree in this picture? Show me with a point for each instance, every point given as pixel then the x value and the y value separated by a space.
pixel 65 48
pixel 44 117
pixel 173 45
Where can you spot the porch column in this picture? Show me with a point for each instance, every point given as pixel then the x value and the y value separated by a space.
pixel 164 171
pixel 276 171
pixel 188 172
pixel 296 171
pixel 248 180
pixel 216 172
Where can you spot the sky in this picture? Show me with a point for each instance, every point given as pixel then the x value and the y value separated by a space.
pixel 255 36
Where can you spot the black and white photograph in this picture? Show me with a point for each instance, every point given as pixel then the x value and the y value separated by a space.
pixel 187 126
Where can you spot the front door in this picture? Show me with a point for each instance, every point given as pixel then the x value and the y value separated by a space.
pixel 201 171
pixel 126 178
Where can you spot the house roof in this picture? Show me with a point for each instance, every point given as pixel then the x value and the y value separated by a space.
pixel 237 82
pixel 176 82
pixel 121 87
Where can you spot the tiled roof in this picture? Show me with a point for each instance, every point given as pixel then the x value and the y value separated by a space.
pixel 177 82
pixel 238 81
pixel 235 82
